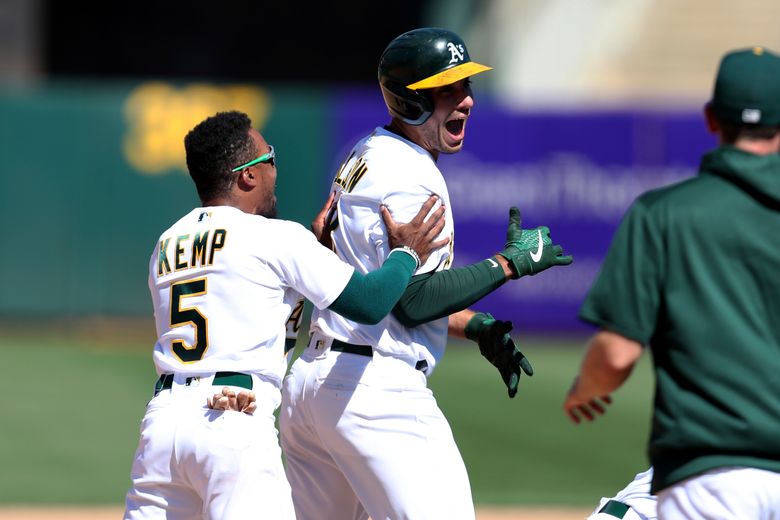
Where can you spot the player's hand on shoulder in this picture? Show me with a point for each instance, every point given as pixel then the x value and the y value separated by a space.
pixel 321 224
pixel 420 233
pixel 530 251
pixel 228 400
pixel 497 346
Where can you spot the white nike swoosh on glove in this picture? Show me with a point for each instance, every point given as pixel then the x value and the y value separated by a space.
pixel 537 255
pixel 493 263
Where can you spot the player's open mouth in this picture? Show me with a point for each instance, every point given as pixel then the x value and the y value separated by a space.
pixel 455 126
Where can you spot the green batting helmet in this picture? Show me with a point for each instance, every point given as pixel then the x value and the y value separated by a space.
pixel 422 59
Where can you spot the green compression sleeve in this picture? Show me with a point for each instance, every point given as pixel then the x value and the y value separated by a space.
pixel 431 296
pixel 369 298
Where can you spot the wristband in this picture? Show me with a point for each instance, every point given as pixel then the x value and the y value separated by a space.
pixel 411 252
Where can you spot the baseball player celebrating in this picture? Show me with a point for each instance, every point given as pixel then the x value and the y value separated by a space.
pixel 225 279
pixel 361 431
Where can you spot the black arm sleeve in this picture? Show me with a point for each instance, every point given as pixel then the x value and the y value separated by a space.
pixel 431 296
pixel 369 298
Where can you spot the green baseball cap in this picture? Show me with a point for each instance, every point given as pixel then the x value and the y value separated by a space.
pixel 747 88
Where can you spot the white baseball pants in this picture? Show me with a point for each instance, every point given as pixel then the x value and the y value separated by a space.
pixel 193 462
pixel 723 494
pixel 363 436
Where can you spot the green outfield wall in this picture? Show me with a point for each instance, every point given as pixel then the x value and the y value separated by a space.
pixel 90 174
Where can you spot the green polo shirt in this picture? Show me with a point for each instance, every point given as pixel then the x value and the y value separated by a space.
pixel 694 272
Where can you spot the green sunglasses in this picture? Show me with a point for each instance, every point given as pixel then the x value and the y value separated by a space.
pixel 269 157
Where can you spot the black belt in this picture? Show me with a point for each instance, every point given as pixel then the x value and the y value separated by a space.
pixel 368 351
pixel 289 344
pixel 220 378
pixel 360 350
pixel 614 508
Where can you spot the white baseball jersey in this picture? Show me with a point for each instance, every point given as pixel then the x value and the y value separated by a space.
pixel 226 287
pixel 224 284
pixel 362 434
pixel 385 168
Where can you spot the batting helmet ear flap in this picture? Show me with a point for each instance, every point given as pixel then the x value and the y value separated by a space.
pixel 408 105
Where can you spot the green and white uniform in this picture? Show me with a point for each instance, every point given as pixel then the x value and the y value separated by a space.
pixel 362 434
pixel 226 288
pixel 693 273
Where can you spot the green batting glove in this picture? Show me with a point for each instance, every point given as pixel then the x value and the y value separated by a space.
pixel 496 345
pixel 530 251
pixel 514 231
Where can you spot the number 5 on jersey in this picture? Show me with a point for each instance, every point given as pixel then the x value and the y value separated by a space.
pixel 181 316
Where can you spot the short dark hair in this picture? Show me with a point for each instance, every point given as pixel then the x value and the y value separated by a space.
pixel 732 132
pixel 215 146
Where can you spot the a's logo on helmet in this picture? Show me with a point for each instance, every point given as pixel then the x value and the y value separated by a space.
pixel 456 51
pixel 751 115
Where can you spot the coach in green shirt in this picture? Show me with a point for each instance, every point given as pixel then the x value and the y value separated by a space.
pixel 694 274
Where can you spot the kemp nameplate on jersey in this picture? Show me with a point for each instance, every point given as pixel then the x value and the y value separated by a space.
pixel 190 252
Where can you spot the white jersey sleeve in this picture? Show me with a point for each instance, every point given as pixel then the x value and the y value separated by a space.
pixel 225 284
pixel 386 169
pixel 304 264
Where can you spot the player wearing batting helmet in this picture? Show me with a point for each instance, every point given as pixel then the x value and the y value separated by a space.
pixel 361 431
pixel 692 274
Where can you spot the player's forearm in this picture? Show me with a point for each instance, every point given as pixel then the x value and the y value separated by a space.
pixel 609 360
pixel 432 296
pixel 369 298
pixel 456 324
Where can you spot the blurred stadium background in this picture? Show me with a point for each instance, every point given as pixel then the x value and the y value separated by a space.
pixel 590 103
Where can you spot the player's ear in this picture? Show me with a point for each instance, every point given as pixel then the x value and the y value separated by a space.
pixel 246 179
pixel 711 120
